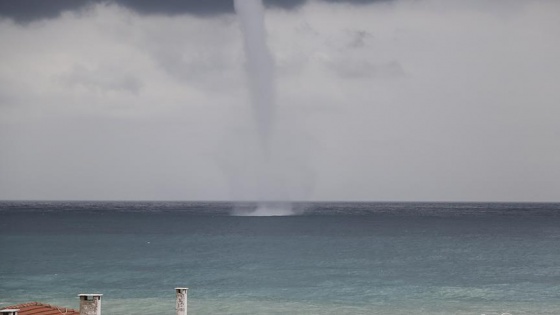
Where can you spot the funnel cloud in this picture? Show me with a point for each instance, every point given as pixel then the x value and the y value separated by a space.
pixel 260 70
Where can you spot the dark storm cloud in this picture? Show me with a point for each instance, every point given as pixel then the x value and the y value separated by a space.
pixel 29 10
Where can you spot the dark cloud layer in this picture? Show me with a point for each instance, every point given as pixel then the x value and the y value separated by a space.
pixel 29 10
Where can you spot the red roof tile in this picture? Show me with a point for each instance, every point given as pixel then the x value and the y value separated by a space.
pixel 36 308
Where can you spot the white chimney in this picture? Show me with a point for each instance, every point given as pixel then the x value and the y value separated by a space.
pixel 181 305
pixel 90 304
pixel 9 311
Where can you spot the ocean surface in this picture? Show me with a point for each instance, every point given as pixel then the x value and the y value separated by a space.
pixel 332 258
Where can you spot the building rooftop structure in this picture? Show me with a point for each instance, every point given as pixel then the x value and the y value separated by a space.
pixel 90 304
pixel 37 308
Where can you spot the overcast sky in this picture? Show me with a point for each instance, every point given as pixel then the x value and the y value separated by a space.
pixel 426 100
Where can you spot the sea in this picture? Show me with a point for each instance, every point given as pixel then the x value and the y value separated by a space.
pixel 331 258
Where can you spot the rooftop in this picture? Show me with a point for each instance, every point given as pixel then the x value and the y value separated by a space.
pixel 36 308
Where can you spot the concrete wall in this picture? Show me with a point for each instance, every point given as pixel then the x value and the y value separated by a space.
pixel 181 305
pixel 90 304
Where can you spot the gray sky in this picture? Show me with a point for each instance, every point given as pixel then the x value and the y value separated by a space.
pixel 376 100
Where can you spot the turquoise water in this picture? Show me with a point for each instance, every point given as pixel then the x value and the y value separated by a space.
pixel 340 258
